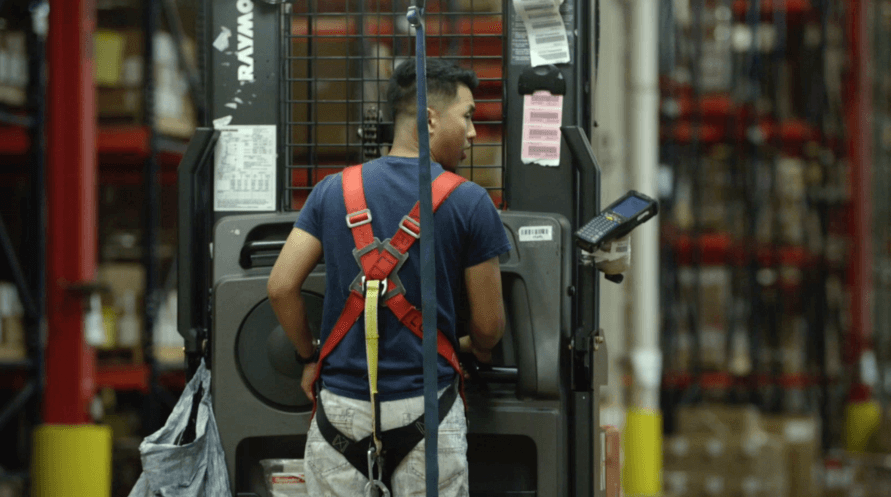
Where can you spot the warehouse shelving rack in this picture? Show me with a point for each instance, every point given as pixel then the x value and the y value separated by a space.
pixel 126 155
pixel 26 266
pixel 881 28
pixel 827 135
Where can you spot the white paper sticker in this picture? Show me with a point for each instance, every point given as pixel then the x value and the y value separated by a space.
pixel 547 33
pixel 542 116
pixel 536 233
pixel 244 169
pixel 222 121
pixel 222 41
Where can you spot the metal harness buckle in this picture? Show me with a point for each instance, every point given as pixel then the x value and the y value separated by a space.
pixel 366 220
pixel 383 289
pixel 414 234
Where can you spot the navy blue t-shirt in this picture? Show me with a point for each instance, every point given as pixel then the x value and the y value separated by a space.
pixel 468 231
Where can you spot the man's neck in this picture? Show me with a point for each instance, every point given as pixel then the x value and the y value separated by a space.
pixel 403 153
pixel 405 144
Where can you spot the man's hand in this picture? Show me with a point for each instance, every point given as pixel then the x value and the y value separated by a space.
pixel 466 345
pixel 309 373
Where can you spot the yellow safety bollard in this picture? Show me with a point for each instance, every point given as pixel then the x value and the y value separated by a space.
pixel 643 453
pixel 71 460
pixel 862 420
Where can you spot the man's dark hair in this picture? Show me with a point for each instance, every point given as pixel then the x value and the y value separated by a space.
pixel 443 78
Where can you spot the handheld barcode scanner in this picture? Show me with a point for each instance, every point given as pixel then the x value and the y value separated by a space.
pixel 617 220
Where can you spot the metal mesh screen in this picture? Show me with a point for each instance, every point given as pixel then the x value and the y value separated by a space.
pixel 339 56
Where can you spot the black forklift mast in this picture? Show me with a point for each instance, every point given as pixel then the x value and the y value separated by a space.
pixel 242 56
pixel 572 190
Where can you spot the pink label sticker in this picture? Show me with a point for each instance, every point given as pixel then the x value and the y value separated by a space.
pixel 542 117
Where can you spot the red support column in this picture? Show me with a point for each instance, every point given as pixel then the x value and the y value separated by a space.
pixel 859 134
pixel 71 207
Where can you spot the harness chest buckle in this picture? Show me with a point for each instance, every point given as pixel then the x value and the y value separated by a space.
pixel 381 293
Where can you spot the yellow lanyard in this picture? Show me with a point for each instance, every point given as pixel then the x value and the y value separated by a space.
pixel 372 292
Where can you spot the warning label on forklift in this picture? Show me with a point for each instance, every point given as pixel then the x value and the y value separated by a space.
pixel 244 169
pixel 536 233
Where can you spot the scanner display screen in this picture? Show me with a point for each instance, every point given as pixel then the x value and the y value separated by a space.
pixel 630 207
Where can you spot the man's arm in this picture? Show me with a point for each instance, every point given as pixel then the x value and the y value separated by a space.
pixel 486 307
pixel 297 259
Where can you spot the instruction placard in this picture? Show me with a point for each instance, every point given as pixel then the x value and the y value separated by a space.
pixel 244 168
pixel 542 116
pixel 548 43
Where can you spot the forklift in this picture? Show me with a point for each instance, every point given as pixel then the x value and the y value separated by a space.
pixel 294 92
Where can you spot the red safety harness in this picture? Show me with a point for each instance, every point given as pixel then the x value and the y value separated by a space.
pixel 378 260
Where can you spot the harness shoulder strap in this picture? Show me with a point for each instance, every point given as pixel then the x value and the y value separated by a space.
pixel 358 216
pixel 379 265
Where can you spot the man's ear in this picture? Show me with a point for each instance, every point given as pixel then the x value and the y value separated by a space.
pixel 432 118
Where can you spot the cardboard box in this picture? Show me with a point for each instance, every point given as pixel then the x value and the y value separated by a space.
pixel 695 483
pixel 121 277
pixel 801 438
pixel 718 419
pixel 126 284
pixel 120 81
pixel 119 62
pixel 174 114
pixel 699 450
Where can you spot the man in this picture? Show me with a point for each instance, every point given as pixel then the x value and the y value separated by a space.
pixel 469 239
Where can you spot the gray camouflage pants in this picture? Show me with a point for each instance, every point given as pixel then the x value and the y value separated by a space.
pixel 329 474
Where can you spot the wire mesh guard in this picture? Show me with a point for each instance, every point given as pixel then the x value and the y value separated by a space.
pixel 339 56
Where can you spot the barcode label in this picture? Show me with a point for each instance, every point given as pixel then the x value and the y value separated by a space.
pixel 548 135
pixel 538 12
pixel 547 24
pixel 544 133
pixel 549 39
pixel 545 99
pixel 542 150
pixel 554 56
pixel 545 116
pixel 536 233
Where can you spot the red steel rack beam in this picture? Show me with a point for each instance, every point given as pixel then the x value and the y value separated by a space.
pixel 858 93
pixel 71 209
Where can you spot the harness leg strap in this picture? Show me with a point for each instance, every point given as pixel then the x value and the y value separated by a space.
pixel 397 442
